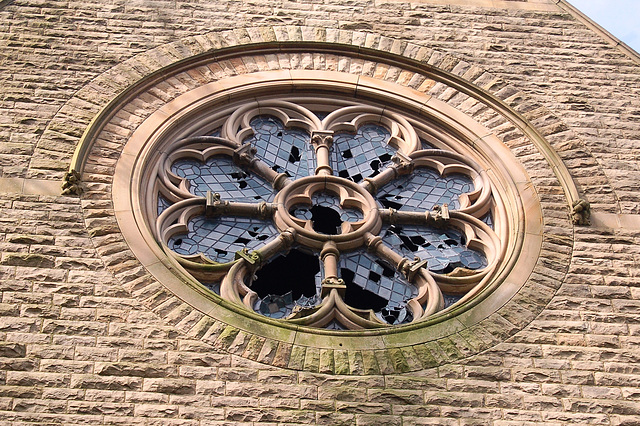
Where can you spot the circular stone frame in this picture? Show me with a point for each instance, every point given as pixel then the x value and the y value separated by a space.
pixel 524 284
pixel 182 116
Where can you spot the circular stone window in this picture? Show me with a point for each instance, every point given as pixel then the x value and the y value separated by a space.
pixel 313 217
pixel 315 209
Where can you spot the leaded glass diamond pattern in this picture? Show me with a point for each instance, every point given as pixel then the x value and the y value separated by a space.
pixel 220 175
pixel 362 155
pixel 372 274
pixel 286 150
pixel 444 249
pixel 219 238
pixel 423 189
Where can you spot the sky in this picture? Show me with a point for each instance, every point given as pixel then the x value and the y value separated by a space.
pixel 620 17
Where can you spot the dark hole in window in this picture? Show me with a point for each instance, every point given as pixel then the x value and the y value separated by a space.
pixel 279 277
pixel 357 178
pixel 385 201
pixel 386 270
pixel 375 166
pixel 177 242
pixel 347 154
pixel 294 155
pixel 358 297
pixel 325 220
pixel 241 240
pixel 374 276
pixel 385 157
pixel 343 174
pixel 239 175
pixel 417 239
pixel 221 252
pixel 243 184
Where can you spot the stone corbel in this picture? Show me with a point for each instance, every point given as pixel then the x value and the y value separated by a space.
pixel 581 212
pixel 71 183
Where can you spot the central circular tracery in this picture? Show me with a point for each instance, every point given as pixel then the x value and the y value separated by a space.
pixel 313 232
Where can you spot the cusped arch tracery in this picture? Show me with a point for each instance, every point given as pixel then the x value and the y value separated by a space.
pixel 331 157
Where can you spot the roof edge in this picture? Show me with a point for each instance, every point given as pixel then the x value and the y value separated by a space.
pixel 590 23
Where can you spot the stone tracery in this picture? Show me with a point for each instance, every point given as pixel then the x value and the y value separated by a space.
pixel 313 155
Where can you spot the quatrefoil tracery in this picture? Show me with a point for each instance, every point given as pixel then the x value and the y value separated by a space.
pixel 231 152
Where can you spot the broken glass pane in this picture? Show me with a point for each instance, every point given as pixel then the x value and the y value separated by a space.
pixel 444 249
pixel 281 306
pixel 285 150
pixel 220 175
pixel 423 189
pixel 383 285
pixel 362 155
pixel 325 213
pixel 219 238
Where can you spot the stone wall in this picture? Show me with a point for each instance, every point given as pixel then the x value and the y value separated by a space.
pixel 76 346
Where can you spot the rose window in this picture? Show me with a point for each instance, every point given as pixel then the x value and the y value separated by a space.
pixel 328 215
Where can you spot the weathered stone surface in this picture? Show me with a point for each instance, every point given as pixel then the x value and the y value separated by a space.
pixel 76 344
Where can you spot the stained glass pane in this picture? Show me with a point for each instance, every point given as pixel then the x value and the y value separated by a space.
pixel 423 189
pixel 286 150
pixel 220 175
pixel 220 238
pixel 444 249
pixel 362 155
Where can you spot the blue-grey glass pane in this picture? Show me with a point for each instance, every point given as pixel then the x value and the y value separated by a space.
pixel 219 238
pixel 220 175
pixel 450 299
pixel 213 286
pixel 423 189
pixel 362 155
pixel 285 150
pixel 488 219
pixel 444 249
pixel 425 145
pixel 335 325
pixel 163 203
pixel 372 274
